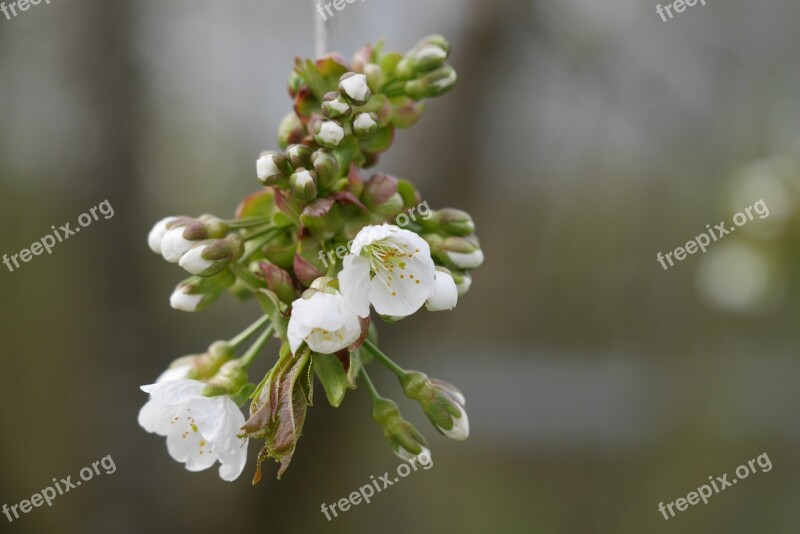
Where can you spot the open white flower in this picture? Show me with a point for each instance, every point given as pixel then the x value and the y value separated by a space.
pixel 324 321
pixel 390 268
pixel 445 293
pixel 200 430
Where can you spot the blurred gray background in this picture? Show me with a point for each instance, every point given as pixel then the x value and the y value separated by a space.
pixel 583 137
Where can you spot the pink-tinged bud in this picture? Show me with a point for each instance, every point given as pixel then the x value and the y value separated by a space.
pixel 354 88
pixel 307 263
pixel 381 196
pixel 279 282
pixel 406 112
pixel 323 218
pixel 199 366
pixel 375 77
pixel 361 58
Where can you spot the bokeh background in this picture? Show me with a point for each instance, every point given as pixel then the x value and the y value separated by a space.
pixel 584 137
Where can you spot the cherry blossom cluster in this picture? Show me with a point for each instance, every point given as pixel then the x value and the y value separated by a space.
pixel 315 200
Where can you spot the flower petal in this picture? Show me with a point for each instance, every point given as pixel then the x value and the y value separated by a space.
pixel 445 293
pixel 354 283
pixel 410 286
pixel 175 392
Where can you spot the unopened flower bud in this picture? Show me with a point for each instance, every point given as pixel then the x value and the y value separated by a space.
pixel 434 83
pixel 209 257
pixel 197 292
pixel 326 166
pixel 445 292
pixel 457 252
pixel 365 124
pixel 304 185
pixel 375 77
pixel 334 106
pixel 406 112
pixel 463 282
pixel 290 131
pixel 279 282
pixel 298 156
pixel 442 403
pixel 381 195
pixel 354 88
pixel 199 366
pixel 323 218
pixel 230 378
pixel 271 168
pixel 450 221
pixel 329 133
pixel 156 235
pixel 403 437
pixel 295 82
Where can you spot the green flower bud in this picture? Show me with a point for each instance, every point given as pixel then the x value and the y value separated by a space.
pixel 365 124
pixel 457 252
pixel 434 83
pixel 290 131
pixel 230 378
pixel 463 282
pixel 443 403
pixel 298 156
pixel 375 77
pixel 295 82
pixel 334 106
pixel 197 292
pixel 326 166
pixel 449 221
pixel 200 366
pixel 403 437
pixel 304 185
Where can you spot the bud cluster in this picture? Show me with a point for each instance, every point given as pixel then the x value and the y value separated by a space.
pixel 321 246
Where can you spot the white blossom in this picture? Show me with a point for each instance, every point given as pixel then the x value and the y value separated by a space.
pixel 324 321
pixel 445 293
pixel 403 272
pixel 156 235
pixel 200 430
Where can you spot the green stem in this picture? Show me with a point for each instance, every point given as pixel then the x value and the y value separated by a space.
pixel 256 248
pixel 263 232
pixel 247 223
pixel 384 359
pixel 249 331
pixel 256 347
pixel 370 386
pixel 247 277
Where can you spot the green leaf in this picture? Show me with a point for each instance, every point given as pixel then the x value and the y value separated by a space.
pixel 332 376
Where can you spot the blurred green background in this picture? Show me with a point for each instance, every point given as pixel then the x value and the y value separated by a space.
pixel 583 137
